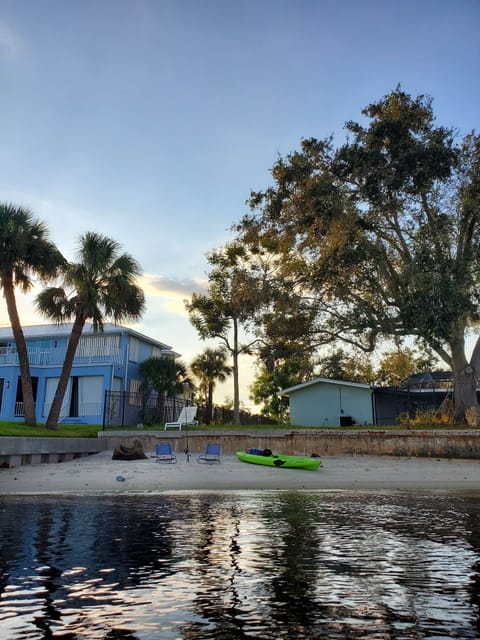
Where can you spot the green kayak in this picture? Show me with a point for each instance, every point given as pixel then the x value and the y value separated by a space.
pixel 281 461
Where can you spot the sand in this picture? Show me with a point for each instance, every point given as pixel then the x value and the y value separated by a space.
pixel 97 474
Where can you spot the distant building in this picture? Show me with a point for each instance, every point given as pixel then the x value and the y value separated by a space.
pixel 429 381
pixel 105 361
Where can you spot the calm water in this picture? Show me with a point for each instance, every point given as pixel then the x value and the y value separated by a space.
pixel 241 565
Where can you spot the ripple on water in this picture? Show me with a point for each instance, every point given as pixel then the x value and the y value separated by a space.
pixel 242 565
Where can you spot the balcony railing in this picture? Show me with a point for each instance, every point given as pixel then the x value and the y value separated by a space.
pixel 85 409
pixel 19 409
pixel 55 356
pixel 88 409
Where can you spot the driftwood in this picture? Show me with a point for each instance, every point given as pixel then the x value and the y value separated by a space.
pixel 132 452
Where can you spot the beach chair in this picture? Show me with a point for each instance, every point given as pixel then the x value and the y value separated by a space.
pixel 212 454
pixel 164 453
pixel 187 416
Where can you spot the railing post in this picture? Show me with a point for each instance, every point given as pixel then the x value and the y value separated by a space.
pixel 104 410
pixel 124 393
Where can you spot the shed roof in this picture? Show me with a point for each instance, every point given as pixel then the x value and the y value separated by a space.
pixel 344 383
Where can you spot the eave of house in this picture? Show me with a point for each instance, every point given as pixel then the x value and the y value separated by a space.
pixel 309 383
pixel 53 330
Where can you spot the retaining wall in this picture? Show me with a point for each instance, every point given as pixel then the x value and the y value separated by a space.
pixel 440 444
pixel 426 444
pixel 15 451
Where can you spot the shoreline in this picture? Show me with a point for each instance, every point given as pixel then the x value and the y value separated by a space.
pixel 98 473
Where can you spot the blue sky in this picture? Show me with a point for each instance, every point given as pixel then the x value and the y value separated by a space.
pixel 151 120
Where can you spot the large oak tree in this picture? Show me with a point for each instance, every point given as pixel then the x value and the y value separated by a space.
pixel 379 237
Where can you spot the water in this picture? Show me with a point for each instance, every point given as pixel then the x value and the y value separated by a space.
pixel 269 565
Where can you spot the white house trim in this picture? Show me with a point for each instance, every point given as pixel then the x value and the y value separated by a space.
pixel 297 387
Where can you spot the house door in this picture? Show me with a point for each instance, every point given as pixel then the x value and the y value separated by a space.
pixel 19 406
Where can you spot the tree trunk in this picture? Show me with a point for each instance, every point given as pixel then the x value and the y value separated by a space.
pixel 54 414
pixel 475 359
pixel 208 417
pixel 27 390
pixel 236 386
pixel 464 381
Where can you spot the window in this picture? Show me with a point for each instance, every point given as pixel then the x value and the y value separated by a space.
pixel 134 349
pixel 98 345
pixel 19 397
pixel 135 395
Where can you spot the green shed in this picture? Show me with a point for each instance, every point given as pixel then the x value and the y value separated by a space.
pixel 322 402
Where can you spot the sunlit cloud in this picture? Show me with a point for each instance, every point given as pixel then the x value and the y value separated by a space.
pixel 172 291
pixel 165 287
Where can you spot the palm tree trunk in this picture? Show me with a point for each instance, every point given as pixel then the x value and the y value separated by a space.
pixel 27 390
pixel 54 414
pixel 208 417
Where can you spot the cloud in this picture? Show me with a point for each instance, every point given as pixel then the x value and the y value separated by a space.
pixel 162 286
pixel 11 46
pixel 172 291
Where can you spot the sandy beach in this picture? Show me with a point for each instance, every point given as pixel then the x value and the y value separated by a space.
pixel 97 474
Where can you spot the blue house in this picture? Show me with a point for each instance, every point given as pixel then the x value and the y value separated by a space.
pixel 106 361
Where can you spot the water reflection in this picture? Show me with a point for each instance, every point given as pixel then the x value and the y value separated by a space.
pixel 245 565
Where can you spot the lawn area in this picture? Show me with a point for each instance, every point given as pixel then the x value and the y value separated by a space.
pixel 63 431
pixel 91 430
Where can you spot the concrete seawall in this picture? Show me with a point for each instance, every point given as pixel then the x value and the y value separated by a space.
pixel 326 442
pixel 15 451
pixel 424 444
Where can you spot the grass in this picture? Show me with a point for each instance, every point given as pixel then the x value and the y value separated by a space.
pixel 63 431
pixel 10 428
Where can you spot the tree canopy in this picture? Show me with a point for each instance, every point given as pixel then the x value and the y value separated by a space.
pixel 26 251
pixel 165 375
pixel 234 296
pixel 210 367
pixel 379 237
pixel 100 285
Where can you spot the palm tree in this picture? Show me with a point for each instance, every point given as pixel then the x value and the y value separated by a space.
pixel 25 251
pixel 209 367
pixel 167 376
pixel 102 287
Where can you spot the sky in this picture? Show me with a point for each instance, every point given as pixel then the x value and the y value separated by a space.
pixel 150 121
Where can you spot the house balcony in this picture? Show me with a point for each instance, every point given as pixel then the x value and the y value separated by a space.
pixel 54 357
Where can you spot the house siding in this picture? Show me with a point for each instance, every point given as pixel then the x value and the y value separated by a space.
pixel 324 404
pixel 101 364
